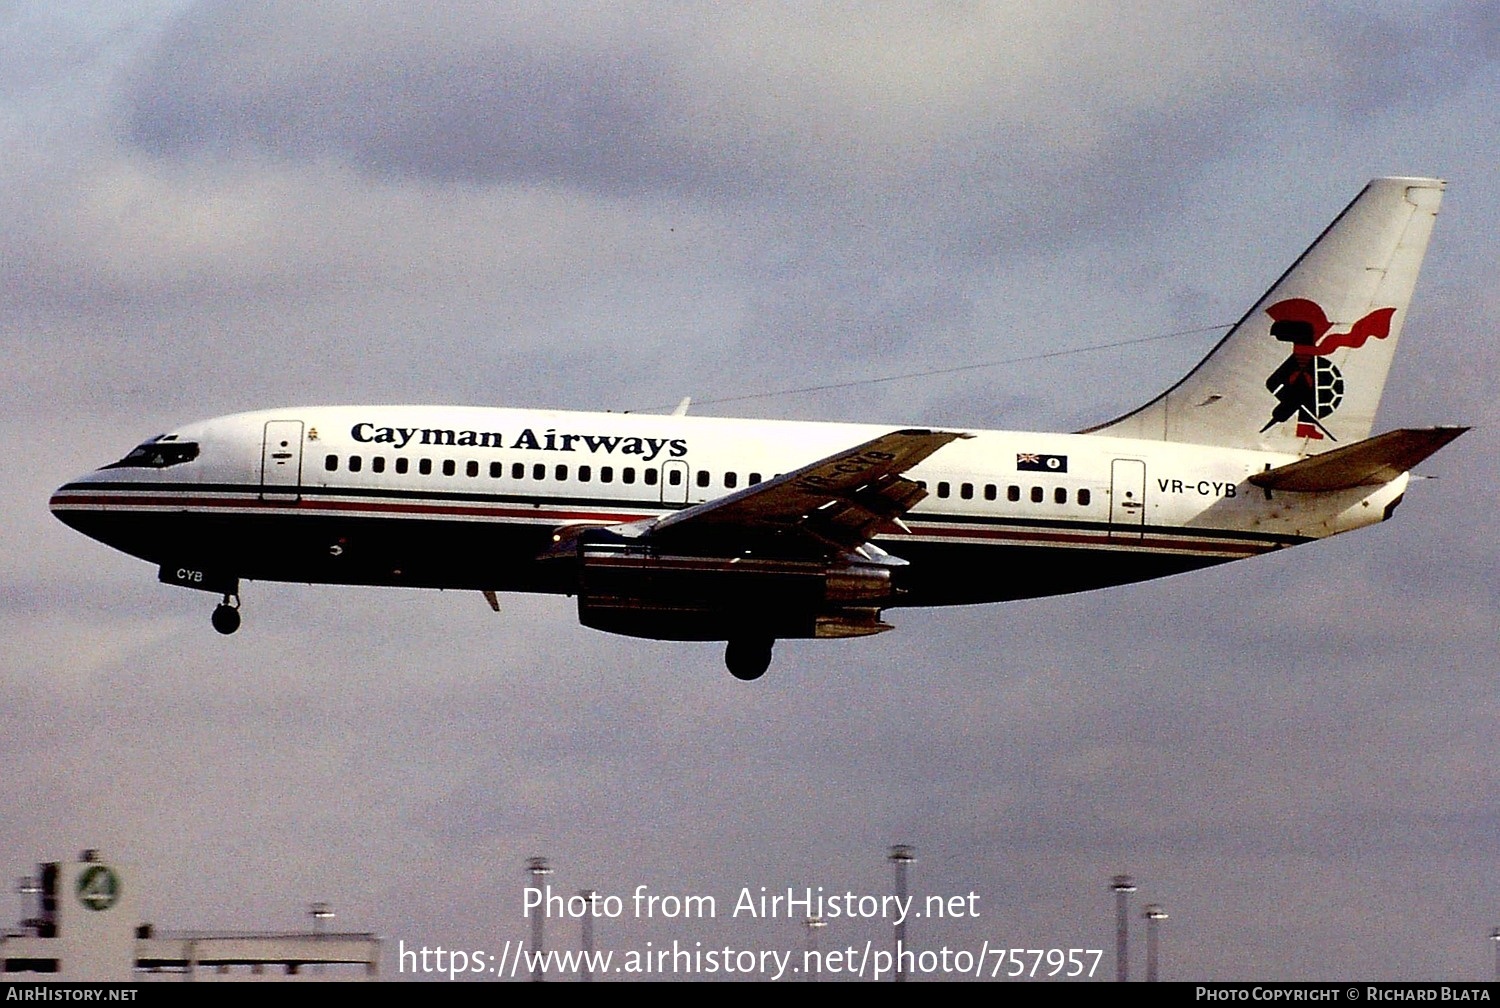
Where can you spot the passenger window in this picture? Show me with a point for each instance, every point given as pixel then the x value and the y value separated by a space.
pixel 377 464
pixel 922 484
pixel 943 489
pixel 731 480
pixel 497 469
pixel 424 466
pixel 402 465
pixel 449 467
pixel 649 476
pixel 539 471
pixel 331 463
pixel 471 468
pixel 990 491
pixel 517 470
pixel 1083 497
pixel 753 479
pixel 585 473
pixel 1060 495
pixel 1037 493
pixel 606 474
pixel 561 473
pixel 356 463
pixel 1012 493
pixel 675 477
pixel 703 477
pixel 627 475
pixel 966 491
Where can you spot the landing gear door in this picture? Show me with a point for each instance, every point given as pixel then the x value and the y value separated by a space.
pixel 1127 499
pixel 281 461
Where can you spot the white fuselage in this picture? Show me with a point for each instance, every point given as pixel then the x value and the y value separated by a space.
pixel 451 497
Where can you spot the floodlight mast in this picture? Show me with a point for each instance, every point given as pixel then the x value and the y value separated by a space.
pixel 900 856
pixel 1153 915
pixel 814 959
pixel 538 869
pixel 586 929
pixel 1123 886
pixel 27 887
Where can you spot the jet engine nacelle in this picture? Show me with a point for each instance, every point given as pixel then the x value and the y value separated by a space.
pixel 640 593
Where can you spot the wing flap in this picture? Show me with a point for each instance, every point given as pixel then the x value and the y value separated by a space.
pixel 843 500
pixel 1371 462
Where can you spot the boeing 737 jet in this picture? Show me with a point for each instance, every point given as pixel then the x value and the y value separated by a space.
pixel 748 531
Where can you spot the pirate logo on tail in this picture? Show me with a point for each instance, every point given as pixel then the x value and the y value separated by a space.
pixel 1307 385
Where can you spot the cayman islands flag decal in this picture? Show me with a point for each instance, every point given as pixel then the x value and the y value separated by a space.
pixel 1027 462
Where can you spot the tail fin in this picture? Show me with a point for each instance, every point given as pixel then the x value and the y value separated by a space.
pixel 1303 371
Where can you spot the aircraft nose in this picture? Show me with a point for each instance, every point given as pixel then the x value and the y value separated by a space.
pixel 74 502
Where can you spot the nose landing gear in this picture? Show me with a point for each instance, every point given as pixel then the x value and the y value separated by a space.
pixel 226 617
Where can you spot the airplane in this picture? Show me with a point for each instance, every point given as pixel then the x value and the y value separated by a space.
pixel 678 527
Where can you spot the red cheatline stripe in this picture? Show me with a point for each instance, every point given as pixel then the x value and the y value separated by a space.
pixel 1123 541
pixel 149 503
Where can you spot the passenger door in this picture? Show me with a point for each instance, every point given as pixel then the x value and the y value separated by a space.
pixel 1127 499
pixel 281 461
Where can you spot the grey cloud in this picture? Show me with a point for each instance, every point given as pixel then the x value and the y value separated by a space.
pixel 653 111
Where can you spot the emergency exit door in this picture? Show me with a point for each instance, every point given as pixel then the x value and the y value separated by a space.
pixel 674 482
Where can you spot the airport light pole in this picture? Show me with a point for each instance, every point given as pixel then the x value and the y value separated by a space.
pixel 900 856
pixel 1123 886
pixel 1154 915
pixel 27 887
pixel 1495 939
pixel 320 913
pixel 537 868
pixel 814 925
pixel 586 936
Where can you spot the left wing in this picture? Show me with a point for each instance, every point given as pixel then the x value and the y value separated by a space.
pixel 841 501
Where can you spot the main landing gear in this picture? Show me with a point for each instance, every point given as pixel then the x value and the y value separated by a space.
pixel 226 617
pixel 749 657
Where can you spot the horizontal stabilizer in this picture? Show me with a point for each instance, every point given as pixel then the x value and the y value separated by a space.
pixel 1371 462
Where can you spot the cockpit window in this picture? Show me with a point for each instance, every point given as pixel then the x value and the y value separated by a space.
pixel 158 453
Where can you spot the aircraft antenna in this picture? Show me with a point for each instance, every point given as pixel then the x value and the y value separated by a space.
pixel 905 375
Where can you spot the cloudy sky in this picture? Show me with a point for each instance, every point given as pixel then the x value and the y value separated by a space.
pixel 213 207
